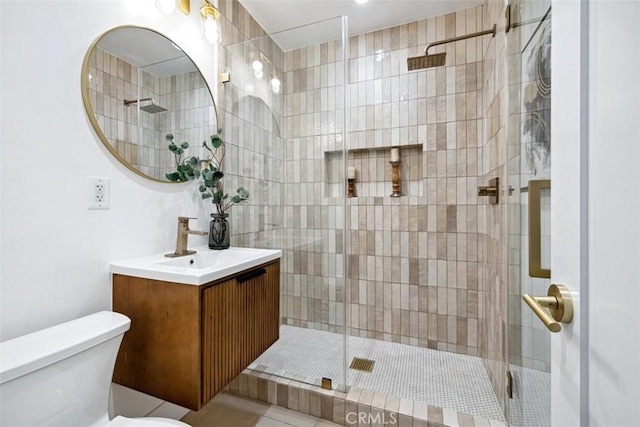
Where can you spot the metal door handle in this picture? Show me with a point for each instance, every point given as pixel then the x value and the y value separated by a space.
pixel 535 226
pixel 559 303
pixel 492 191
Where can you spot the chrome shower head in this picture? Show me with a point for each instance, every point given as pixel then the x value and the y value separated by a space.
pixel 152 108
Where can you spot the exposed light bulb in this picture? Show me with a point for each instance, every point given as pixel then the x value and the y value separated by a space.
pixel 258 73
pixel 361 1
pixel 257 65
pixel 275 85
pixel 166 6
pixel 210 29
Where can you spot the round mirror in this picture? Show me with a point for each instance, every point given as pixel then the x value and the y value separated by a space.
pixel 138 87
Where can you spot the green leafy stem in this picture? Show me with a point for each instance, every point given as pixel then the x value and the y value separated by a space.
pixel 212 176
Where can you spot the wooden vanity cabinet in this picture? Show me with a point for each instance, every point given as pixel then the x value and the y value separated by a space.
pixel 187 342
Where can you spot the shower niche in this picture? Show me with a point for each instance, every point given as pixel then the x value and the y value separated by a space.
pixel 373 171
pixel 138 86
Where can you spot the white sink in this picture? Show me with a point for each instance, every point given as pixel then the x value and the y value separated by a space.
pixel 205 266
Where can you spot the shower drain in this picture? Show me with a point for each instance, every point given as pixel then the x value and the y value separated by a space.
pixel 362 364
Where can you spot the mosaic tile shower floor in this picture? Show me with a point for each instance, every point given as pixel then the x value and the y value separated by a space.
pixel 439 378
pixel 531 403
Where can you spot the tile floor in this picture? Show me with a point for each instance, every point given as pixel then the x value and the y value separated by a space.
pixel 225 410
pixel 451 381
pixel 439 378
pixel 531 403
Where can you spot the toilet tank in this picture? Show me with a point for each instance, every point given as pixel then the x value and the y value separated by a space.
pixel 61 376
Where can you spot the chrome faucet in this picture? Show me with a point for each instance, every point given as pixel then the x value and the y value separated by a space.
pixel 183 235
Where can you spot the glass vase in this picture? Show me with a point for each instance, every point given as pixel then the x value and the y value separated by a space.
pixel 219 232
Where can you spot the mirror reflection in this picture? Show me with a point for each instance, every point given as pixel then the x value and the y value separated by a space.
pixel 138 86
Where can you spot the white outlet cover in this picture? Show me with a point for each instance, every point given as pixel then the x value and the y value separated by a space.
pixel 99 193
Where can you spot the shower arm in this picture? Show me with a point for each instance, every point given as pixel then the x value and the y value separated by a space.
pixel 455 39
pixel 127 102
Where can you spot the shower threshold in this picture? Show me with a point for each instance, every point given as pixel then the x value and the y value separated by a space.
pixel 442 379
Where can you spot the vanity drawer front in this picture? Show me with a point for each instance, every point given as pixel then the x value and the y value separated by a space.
pixel 240 321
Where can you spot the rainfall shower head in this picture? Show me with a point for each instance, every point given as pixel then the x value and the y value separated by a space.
pixel 152 107
pixel 426 61
pixel 438 59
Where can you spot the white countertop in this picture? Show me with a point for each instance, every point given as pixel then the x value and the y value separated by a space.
pixel 205 266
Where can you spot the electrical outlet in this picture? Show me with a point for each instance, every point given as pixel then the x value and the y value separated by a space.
pixel 99 193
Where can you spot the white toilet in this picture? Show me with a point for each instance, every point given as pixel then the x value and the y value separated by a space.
pixel 61 376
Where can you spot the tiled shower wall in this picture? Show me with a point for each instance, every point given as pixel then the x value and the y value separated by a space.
pixel 191 115
pixel 428 268
pixel 314 213
pixel 112 81
pixel 414 260
pixel 492 218
pixel 140 137
pixel 251 117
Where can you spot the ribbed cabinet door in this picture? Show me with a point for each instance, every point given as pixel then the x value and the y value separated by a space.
pixel 240 321
pixel 218 336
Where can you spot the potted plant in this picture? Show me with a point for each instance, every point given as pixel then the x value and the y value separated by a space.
pixel 184 166
pixel 211 187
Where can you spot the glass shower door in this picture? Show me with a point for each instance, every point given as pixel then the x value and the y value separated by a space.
pixel 529 144
pixel 287 105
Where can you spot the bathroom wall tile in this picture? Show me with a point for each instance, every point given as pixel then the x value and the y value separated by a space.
pixel 263 391
pixel 452 151
pixel 283 393
pixel 293 397
pixel 466 420
pixel 252 387
pixel 315 404
pixel 435 414
pixel 339 409
pixel 326 407
pixel 450 418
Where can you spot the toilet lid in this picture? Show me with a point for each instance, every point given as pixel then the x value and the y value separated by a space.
pixel 121 421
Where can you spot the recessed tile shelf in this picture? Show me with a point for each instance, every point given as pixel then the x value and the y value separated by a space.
pixel 373 171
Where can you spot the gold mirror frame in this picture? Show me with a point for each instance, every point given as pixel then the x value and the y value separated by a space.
pixel 84 82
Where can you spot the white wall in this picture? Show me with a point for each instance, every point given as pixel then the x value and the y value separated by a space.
pixel 55 252
pixel 1 176
pixel 614 212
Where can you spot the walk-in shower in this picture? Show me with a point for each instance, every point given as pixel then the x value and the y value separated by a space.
pixel 403 298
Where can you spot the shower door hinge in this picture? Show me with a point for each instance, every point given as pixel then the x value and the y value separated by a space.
pixel 326 383
pixel 509 385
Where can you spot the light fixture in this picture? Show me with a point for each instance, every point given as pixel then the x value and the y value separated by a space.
pixel 210 28
pixel 169 6
pixel 166 6
pixel 257 69
pixel 361 1
pixel 257 65
pixel 275 85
